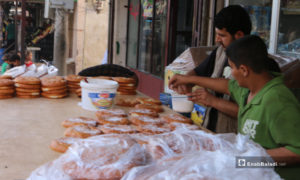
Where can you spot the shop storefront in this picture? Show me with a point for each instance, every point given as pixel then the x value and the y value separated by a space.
pixel 29 29
pixel 158 31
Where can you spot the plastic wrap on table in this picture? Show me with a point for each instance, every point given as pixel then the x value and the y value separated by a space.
pixel 181 154
pixel 183 141
pixel 215 161
pixel 98 157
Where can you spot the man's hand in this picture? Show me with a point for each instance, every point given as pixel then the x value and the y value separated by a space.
pixel 177 81
pixel 202 96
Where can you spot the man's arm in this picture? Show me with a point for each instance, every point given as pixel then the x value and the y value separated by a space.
pixel 216 84
pixel 283 155
pixel 204 97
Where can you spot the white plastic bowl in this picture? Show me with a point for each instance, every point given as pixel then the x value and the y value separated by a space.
pixel 180 103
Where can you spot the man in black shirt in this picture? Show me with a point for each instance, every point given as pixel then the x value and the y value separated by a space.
pixel 231 23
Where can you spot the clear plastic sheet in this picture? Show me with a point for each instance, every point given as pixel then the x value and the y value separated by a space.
pixel 98 157
pixel 181 154
pixel 189 155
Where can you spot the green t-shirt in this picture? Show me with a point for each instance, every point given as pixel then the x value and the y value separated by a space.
pixel 4 67
pixel 271 118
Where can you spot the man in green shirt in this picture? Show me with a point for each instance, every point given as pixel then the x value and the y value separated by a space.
pixel 268 111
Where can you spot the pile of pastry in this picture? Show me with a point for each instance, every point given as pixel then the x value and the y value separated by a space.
pixel 179 154
pixel 140 119
pixel 53 87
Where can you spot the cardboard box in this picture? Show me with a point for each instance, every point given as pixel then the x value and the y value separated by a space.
pixel 187 61
pixel 198 114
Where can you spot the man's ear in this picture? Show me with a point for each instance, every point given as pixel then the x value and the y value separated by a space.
pixel 244 70
pixel 239 34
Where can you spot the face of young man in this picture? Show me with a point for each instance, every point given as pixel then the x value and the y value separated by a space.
pixel 236 73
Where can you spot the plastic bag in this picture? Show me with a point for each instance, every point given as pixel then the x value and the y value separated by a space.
pixel 98 157
pixel 198 155
pixel 16 71
pixel 181 154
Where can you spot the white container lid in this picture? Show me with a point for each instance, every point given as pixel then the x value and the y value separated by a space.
pixel 95 84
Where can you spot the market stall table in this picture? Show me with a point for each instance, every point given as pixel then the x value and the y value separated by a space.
pixel 27 128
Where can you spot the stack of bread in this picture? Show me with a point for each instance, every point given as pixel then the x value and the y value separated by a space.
pixel 73 83
pixel 7 88
pixel 127 86
pixel 28 87
pixel 54 87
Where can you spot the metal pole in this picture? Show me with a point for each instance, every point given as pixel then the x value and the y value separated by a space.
pixel 16 26
pixel 60 43
pixel 23 21
pixel 1 26
pixel 111 31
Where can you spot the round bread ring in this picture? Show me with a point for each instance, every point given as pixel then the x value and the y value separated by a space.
pixel 73 83
pixel 62 144
pixel 7 87
pixel 28 80
pixel 109 159
pixel 145 100
pixel 53 82
pixel 151 129
pixel 124 80
pixel 176 118
pixel 72 90
pixel 143 112
pixel 59 91
pixel 28 86
pixel 6 82
pixel 74 78
pixel 116 120
pixel 28 90
pixel 126 102
pixel 154 107
pixel 102 77
pixel 28 93
pixel 126 93
pixel 146 120
pixel 46 89
pixel 7 91
pixel 73 86
pixel 127 88
pixel 28 96
pixel 82 131
pixel 52 77
pixel 6 96
pixel 127 84
pixel 111 112
pixel 6 77
pixel 54 96
pixel 118 129
pixel 79 121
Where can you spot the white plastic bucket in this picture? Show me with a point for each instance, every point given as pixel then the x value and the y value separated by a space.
pixel 97 93
pixel 180 103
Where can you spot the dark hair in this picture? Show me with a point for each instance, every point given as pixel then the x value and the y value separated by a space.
pixel 14 57
pixel 234 18
pixel 250 51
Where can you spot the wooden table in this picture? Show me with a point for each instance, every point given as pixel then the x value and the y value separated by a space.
pixel 27 128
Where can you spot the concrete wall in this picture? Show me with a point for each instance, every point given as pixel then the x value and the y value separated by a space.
pixel 120 32
pixel 90 34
